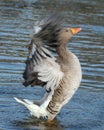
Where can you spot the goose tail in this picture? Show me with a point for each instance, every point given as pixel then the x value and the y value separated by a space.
pixel 34 109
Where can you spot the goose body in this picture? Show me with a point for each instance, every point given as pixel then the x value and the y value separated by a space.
pixel 67 86
pixel 60 75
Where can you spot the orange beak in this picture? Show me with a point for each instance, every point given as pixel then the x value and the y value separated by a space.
pixel 75 30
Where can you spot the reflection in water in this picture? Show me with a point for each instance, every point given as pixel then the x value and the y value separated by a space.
pixel 17 18
pixel 32 123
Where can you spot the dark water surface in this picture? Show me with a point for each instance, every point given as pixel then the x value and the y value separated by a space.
pixel 86 109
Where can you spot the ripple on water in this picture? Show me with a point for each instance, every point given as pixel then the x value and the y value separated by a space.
pixel 85 110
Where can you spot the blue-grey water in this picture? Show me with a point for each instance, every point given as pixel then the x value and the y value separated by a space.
pixel 85 111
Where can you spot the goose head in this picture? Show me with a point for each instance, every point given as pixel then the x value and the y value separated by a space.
pixel 66 33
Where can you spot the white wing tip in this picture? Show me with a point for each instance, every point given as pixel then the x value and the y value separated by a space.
pixel 37 29
pixel 17 99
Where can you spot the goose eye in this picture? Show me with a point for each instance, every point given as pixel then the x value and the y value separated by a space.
pixel 67 30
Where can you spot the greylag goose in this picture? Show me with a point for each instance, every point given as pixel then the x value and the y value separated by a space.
pixel 52 65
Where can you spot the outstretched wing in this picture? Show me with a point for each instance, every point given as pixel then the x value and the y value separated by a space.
pixel 41 66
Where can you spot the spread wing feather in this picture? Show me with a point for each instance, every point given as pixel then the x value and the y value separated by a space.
pixel 41 66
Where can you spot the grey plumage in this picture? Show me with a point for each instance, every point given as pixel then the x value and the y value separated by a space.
pixel 62 74
pixel 44 41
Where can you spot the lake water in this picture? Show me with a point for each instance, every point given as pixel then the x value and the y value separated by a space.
pixel 85 111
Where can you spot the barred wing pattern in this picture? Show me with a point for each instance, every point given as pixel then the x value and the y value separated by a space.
pixel 41 66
